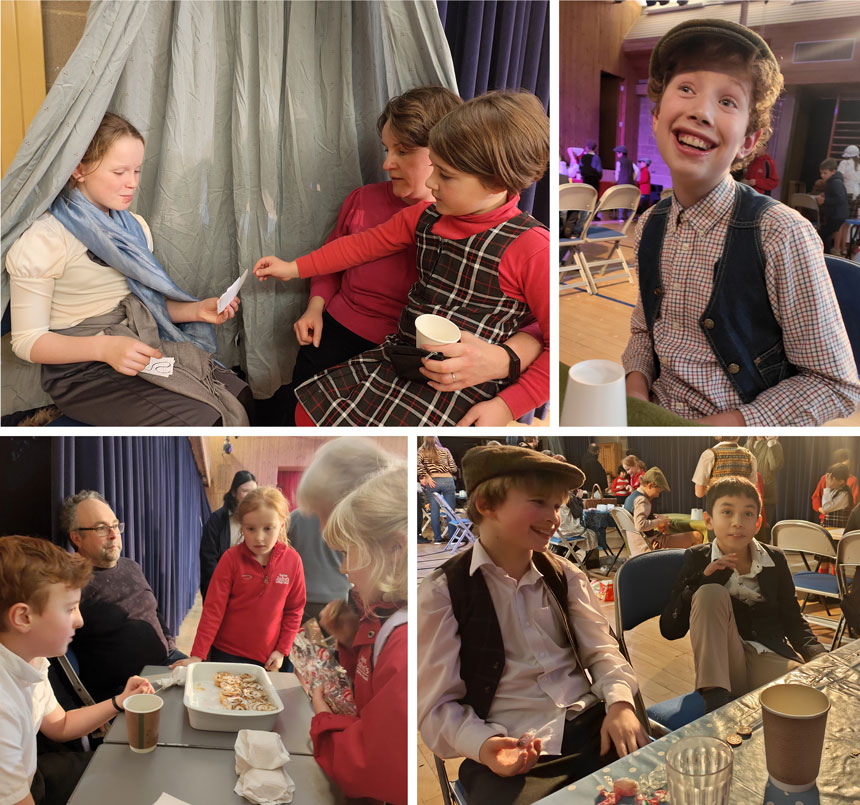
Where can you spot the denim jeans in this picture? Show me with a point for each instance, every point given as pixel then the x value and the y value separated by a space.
pixel 445 487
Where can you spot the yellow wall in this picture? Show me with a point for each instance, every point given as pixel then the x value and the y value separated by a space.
pixel 23 71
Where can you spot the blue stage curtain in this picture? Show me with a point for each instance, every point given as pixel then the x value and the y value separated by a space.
pixel 153 485
pixel 502 44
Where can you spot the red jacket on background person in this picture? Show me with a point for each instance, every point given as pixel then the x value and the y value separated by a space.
pixel 819 491
pixel 251 610
pixel 366 755
pixel 763 170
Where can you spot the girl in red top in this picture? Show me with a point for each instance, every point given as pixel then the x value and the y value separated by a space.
pixel 366 755
pixel 253 607
pixel 482 264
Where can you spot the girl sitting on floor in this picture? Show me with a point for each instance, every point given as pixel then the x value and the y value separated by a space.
pixel 92 305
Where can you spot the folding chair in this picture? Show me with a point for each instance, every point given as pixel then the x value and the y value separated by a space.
pixel 809 539
pixel 462 526
pixel 573 534
pixel 71 692
pixel 624 526
pixel 847 555
pixel 620 197
pixel 582 199
pixel 665 192
pixel 643 588
pixel 453 792
pixel 807 206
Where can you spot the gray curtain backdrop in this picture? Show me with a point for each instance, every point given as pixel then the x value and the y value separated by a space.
pixel 259 119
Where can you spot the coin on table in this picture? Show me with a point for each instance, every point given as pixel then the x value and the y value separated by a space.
pixel 734 739
pixel 745 731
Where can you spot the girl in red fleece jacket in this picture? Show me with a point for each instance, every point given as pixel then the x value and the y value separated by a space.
pixel 254 603
pixel 366 755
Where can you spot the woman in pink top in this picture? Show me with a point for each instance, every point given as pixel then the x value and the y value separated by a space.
pixel 351 312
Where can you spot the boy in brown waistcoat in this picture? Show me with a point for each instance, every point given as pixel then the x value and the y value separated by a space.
pixel 518 669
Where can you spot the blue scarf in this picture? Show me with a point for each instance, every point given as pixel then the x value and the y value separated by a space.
pixel 119 240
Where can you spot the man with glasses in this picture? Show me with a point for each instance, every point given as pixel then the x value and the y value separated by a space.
pixel 123 629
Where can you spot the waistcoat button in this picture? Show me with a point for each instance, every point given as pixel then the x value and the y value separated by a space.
pixel 734 368
pixel 658 291
pixel 708 324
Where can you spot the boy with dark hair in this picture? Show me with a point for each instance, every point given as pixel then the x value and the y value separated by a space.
pixel 735 301
pixel 40 587
pixel 736 598
pixel 834 202
pixel 518 669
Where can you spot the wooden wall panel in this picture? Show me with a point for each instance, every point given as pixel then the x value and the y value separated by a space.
pixel 264 455
pixel 590 39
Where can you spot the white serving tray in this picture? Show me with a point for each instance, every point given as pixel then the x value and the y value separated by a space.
pixel 205 712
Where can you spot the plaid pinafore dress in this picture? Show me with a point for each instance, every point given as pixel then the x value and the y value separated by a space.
pixel 457 279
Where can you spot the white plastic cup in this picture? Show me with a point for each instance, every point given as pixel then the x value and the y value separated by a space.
pixel 596 395
pixel 434 331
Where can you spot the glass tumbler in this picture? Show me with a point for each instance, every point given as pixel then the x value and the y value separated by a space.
pixel 699 771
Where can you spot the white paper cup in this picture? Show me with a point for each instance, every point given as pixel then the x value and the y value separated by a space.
pixel 142 714
pixel 433 331
pixel 596 395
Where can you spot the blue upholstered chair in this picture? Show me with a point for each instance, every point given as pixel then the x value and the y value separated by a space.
pixel 643 587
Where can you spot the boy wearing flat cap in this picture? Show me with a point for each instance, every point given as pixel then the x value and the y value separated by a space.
pixel 736 322
pixel 518 669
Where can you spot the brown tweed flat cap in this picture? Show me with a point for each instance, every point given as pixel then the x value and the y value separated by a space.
pixel 686 32
pixel 491 461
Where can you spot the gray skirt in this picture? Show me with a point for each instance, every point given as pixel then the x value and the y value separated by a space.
pixel 199 393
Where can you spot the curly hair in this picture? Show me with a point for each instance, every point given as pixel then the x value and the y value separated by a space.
pixel 766 81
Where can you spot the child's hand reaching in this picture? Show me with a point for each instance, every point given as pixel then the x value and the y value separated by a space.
pixel 318 700
pixel 488 413
pixel 274 661
pixel 207 310
pixel 186 661
pixel 127 355
pixel 623 729
pixel 275 267
pixel 507 758
pixel 135 684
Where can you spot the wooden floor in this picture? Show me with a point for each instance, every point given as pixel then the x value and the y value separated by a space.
pixel 664 668
pixel 598 326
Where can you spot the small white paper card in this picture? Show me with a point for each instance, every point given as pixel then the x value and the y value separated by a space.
pixel 166 799
pixel 230 294
pixel 161 367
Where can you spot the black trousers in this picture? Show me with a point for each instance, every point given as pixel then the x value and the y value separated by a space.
pixel 580 756
pixel 57 774
pixel 337 345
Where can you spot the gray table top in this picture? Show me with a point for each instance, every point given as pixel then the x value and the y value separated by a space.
pixel 837 674
pixel 196 776
pixel 293 723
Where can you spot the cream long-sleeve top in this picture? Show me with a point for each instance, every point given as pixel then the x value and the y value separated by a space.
pixel 54 284
pixel 541 686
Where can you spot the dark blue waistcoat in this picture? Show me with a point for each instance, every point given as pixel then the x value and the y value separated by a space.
pixel 738 321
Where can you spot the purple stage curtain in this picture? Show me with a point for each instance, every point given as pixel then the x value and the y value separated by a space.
pixel 153 485
pixel 502 44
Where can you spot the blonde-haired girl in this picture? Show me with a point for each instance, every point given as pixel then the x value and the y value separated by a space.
pixel 93 306
pixel 253 607
pixel 366 754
